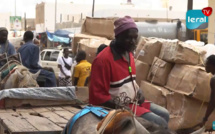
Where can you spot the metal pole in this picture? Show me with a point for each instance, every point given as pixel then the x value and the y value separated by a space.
pixel 167 11
pixel 93 8
pixel 55 13
pixel 188 31
pixel 25 22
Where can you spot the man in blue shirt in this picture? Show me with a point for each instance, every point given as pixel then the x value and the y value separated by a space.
pixel 5 46
pixel 30 56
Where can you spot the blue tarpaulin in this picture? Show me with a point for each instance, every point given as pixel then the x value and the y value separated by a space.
pixel 62 33
pixel 59 36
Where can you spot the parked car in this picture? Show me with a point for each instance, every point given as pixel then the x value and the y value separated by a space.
pixel 48 58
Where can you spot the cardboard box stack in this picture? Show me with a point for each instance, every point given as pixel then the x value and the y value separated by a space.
pixel 186 111
pixel 142 69
pixel 103 27
pixel 90 47
pixel 159 72
pixel 176 80
pixel 78 37
pixel 169 72
pixel 94 29
pixel 149 50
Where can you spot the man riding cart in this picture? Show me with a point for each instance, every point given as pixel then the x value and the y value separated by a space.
pixel 30 57
pixel 113 74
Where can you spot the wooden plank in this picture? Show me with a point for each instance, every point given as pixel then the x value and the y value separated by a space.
pixel 41 123
pixel 64 114
pixel 5 115
pixel 50 115
pixel 55 108
pixel 22 110
pixel 40 110
pixel 54 118
pixel 16 123
pixel 2 129
pixel 9 110
pixel 3 111
pixel 71 109
pixel 62 125
pixel 11 103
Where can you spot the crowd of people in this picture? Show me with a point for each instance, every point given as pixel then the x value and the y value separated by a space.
pixel 30 55
pixel 111 75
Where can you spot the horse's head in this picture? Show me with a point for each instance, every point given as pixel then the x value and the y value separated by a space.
pixel 27 79
pixel 120 122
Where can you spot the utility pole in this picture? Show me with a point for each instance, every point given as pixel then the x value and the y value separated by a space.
pixel 189 7
pixel 55 14
pixel 25 22
pixel 167 11
pixel 93 8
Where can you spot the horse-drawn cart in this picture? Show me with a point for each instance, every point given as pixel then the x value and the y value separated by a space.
pixel 26 113
pixel 36 120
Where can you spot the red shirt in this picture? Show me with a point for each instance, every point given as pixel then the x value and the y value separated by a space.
pixel 110 77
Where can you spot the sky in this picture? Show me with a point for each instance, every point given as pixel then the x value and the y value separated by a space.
pixel 28 6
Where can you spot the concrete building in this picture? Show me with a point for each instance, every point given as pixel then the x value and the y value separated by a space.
pixel 70 14
pixel 5 20
pixel 66 12
pixel 43 19
pixel 30 24
pixel 211 26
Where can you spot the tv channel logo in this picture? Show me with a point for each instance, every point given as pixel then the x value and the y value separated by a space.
pixel 213 126
pixel 198 19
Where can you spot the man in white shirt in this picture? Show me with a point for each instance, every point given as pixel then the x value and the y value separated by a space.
pixel 65 64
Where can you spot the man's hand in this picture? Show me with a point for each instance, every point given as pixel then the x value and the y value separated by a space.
pixel 140 96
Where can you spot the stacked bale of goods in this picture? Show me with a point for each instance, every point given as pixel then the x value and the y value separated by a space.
pixel 186 111
pixel 154 93
pixel 94 28
pixel 90 47
pixel 190 80
pixel 181 53
pixel 159 72
pixel 176 80
pixel 78 37
pixel 147 49
pixel 103 27
pixel 142 70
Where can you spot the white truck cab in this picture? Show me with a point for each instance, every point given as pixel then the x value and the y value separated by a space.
pixel 48 58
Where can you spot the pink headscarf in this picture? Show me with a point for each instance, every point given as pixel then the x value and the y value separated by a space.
pixel 123 24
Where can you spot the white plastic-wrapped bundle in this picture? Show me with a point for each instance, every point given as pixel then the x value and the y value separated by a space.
pixel 210 50
pixel 195 43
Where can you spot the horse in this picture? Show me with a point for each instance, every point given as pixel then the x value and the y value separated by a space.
pixel 19 77
pixel 116 122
